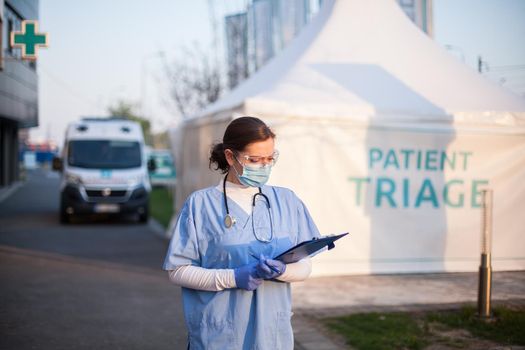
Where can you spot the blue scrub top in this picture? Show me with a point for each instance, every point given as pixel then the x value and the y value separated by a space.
pixel 236 318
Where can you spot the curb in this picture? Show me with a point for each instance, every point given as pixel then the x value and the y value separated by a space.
pixel 358 309
pixel 307 336
pixel 8 191
pixel 157 229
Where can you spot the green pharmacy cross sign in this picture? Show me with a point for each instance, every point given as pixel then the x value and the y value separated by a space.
pixel 29 39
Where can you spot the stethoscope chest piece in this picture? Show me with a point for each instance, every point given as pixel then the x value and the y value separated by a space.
pixel 229 221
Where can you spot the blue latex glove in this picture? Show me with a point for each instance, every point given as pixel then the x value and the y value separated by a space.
pixel 246 277
pixel 269 268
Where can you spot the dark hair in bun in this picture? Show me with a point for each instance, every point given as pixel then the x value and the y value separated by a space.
pixel 239 133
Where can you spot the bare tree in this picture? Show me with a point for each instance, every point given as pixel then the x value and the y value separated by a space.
pixel 127 110
pixel 194 80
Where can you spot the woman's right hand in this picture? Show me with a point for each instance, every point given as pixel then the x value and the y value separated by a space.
pixel 269 269
pixel 246 277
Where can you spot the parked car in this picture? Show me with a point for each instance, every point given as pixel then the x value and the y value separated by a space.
pixel 164 173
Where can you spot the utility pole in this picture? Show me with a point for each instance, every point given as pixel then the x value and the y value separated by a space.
pixel 480 64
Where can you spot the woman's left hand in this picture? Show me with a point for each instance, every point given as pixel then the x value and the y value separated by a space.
pixel 269 268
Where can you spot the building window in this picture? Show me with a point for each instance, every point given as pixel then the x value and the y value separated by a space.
pixel 9 30
pixel 13 23
pixel 2 30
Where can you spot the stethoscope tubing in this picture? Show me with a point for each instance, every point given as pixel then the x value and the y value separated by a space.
pixel 230 221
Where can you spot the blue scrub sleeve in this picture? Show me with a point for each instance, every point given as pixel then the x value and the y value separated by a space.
pixel 307 228
pixel 183 248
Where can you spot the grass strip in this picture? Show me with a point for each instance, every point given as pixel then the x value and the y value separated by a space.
pixel 161 205
pixel 376 331
pixel 507 326
pixel 416 330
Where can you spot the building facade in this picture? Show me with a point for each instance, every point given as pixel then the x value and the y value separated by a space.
pixel 270 25
pixel 420 12
pixel 260 33
pixel 255 36
pixel 18 87
pixel 237 40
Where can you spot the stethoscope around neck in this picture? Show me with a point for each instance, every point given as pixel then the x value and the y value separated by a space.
pixel 230 221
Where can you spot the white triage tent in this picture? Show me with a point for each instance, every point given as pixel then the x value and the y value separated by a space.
pixel 384 134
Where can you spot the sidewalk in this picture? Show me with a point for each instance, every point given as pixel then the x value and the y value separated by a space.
pixel 333 296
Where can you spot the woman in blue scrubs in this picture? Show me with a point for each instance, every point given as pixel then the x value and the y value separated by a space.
pixel 234 295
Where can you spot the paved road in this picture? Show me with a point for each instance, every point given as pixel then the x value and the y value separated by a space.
pixel 95 284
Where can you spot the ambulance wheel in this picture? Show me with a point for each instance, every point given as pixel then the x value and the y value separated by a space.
pixel 64 217
pixel 143 217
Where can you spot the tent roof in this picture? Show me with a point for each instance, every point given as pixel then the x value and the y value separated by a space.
pixel 361 59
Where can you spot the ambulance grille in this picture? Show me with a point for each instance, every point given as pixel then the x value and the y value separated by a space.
pixel 103 194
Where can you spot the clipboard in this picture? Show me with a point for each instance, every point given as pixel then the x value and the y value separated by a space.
pixel 307 248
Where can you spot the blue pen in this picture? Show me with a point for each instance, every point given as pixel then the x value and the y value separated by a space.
pixel 270 266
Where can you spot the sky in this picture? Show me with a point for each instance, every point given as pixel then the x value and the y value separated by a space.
pixel 104 51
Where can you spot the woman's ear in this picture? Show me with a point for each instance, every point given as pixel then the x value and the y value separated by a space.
pixel 229 156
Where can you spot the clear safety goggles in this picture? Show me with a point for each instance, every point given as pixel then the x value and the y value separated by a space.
pixel 258 161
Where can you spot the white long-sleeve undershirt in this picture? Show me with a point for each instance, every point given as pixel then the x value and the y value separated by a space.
pixel 196 277
pixel 241 195
pixel 200 278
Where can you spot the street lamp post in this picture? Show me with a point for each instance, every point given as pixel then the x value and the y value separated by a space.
pixel 485 268
pixel 144 79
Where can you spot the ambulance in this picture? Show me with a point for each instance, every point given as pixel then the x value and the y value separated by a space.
pixel 104 169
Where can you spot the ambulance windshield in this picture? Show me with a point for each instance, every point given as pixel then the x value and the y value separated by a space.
pixel 104 154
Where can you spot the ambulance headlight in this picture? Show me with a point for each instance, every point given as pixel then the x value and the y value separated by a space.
pixel 136 180
pixel 73 179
